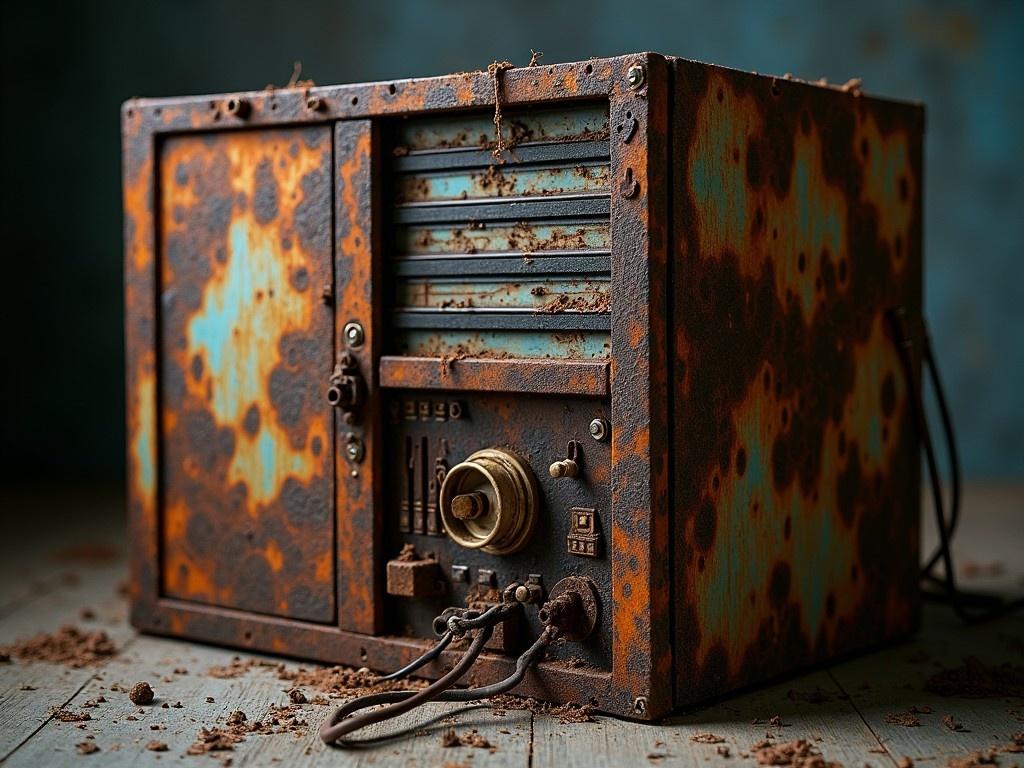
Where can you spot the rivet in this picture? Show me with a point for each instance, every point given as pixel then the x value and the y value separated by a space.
pixel 354 334
pixel 640 705
pixel 599 429
pixel 314 103
pixel 635 76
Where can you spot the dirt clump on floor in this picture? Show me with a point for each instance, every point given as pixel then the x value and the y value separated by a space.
pixel 906 719
pixel 157 746
pixel 565 713
pixel 213 740
pixel 69 645
pixel 976 680
pixel 952 723
pixel 141 694
pixel 67 716
pixel 86 747
pixel 469 739
pixel 706 738
pixel 798 753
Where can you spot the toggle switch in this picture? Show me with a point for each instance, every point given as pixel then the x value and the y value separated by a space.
pixel 567 467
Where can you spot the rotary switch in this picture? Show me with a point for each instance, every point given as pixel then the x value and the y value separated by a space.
pixel 489 502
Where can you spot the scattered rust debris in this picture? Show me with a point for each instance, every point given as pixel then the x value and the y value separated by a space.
pixel 798 753
pixel 706 738
pixel 141 694
pixel 68 645
pixel 565 713
pixel 952 723
pixel 279 719
pixel 157 746
pixel 904 762
pixel 67 716
pixel 975 680
pixel 906 719
pixel 469 739
pixel 213 740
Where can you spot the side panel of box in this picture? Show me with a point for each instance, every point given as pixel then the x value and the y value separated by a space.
pixel 797 226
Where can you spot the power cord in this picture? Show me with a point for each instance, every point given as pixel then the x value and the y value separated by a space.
pixel 972 607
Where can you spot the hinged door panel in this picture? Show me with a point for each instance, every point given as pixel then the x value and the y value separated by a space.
pixel 246 347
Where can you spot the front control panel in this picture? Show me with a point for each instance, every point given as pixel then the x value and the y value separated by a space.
pixel 472 506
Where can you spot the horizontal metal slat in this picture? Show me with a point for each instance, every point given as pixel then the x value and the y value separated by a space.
pixel 563 377
pixel 586 263
pixel 558 152
pixel 508 319
pixel 505 209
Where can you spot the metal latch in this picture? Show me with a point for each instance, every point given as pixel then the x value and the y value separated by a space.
pixel 345 388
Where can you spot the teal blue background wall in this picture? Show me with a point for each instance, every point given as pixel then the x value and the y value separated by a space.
pixel 67 67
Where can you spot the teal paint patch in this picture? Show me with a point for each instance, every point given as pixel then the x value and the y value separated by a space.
pixel 507 180
pixel 524 344
pixel 451 293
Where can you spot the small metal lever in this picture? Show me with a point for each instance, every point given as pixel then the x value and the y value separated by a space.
pixel 567 467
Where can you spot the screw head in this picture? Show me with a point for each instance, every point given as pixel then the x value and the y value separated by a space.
pixel 354 334
pixel 314 103
pixel 599 429
pixel 354 449
pixel 635 76
pixel 640 705
pixel 522 594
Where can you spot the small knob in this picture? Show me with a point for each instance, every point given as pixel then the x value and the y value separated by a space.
pixel 469 506
pixel 529 593
pixel 564 468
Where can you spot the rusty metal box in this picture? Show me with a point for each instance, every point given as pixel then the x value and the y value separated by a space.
pixel 640 340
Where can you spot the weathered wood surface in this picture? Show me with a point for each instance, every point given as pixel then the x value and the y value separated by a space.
pixel 50 573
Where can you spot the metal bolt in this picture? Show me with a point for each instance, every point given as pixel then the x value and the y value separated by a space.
pixel 635 76
pixel 354 334
pixel 522 594
pixel 599 429
pixel 640 705
pixel 355 450
pixel 314 103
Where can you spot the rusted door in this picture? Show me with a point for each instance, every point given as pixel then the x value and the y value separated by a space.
pixel 247 441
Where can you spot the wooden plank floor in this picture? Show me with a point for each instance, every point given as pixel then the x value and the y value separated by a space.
pixel 63 563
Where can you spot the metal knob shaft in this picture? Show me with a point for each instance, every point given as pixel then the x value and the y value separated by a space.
pixel 564 468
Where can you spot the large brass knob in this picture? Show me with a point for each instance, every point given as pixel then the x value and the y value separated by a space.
pixel 489 502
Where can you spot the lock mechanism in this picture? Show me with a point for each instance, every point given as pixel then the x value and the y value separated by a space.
pixel 345 390
pixel 489 502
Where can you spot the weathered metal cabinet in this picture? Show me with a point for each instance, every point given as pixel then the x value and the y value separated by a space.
pixel 645 344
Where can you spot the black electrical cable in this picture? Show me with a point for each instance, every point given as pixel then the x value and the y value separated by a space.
pixel 420 661
pixel 970 607
pixel 344 721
